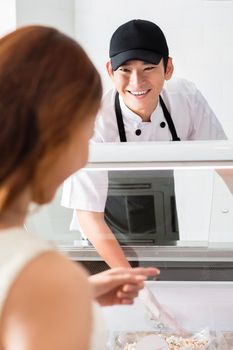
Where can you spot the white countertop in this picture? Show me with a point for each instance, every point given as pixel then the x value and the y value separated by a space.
pixel 165 154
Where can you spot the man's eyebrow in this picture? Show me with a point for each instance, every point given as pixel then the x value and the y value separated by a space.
pixel 149 64
pixel 144 63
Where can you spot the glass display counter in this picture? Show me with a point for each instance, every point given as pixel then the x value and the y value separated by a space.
pixel 185 188
pixel 186 230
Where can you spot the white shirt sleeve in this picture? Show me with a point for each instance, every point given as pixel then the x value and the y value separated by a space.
pixel 86 190
pixel 205 124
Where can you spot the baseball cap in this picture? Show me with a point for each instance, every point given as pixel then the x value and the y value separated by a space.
pixel 137 39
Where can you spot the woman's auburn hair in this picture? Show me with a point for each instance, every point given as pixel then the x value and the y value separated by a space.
pixel 48 87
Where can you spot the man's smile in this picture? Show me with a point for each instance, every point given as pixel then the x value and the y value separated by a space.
pixel 139 93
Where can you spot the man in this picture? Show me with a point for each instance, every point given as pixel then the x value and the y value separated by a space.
pixel 145 105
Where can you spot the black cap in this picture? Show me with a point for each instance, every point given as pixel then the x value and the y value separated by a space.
pixel 139 40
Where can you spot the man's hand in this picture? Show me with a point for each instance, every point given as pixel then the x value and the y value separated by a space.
pixel 120 285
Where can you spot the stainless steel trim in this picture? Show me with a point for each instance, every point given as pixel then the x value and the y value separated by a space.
pixel 148 253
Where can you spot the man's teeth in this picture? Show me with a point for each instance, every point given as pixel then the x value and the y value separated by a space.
pixel 138 93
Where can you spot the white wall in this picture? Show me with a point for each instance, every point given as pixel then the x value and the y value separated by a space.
pixel 56 13
pixel 199 34
pixel 7 16
pixel 51 221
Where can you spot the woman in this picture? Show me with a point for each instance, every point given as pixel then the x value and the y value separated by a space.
pixel 49 95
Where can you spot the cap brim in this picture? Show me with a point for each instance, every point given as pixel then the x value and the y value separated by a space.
pixel 142 55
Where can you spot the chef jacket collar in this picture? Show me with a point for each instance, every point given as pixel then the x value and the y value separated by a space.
pixel 127 113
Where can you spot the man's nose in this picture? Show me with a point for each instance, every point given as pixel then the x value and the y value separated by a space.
pixel 136 78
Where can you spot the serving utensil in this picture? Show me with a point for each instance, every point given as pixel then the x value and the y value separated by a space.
pixel 162 319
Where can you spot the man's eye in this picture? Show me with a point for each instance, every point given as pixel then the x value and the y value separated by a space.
pixel 124 70
pixel 149 68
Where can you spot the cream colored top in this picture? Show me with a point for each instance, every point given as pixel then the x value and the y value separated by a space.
pixel 17 248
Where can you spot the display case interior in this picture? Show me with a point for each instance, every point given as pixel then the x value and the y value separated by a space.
pixel 186 229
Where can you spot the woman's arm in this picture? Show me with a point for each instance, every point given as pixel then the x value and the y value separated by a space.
pixel 120 285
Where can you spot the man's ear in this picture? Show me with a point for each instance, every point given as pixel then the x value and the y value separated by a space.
pixel 169 69
pixel 109 69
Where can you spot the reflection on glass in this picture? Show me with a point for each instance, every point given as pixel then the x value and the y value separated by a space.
pixel 181 207
pixel 141 208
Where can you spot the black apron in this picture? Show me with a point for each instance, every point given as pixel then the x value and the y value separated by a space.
pixel 166 113
pixel 132 217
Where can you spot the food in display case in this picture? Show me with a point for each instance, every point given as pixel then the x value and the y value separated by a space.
pixel 203 340
pixel 174 342
pixel 203 310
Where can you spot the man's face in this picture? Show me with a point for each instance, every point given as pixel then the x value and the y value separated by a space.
pixel 140 83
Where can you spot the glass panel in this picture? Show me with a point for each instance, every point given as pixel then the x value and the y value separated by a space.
pixel 52 222
pixel 221 219
pixel 181 208
pixel 140 207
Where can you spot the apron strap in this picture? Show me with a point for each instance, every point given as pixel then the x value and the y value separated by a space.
pixel 120 122
pixel 169 120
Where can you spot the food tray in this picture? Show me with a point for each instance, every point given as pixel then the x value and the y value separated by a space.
pixel 203 340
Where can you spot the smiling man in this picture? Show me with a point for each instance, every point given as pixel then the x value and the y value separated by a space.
pixel 144 105
pixel 139 84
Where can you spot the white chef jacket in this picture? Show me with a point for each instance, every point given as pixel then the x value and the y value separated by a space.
pixel 193 120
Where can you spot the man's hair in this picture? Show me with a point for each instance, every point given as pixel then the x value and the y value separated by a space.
pixel 165 62
pixel 48 86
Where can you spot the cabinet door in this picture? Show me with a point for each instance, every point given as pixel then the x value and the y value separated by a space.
pixel 221 219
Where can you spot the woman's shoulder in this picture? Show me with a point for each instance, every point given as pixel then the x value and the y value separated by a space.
pixel 50 304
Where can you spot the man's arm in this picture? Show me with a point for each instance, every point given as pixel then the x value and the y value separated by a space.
pixel 206 126
pixel 97 231
pixel 227 176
